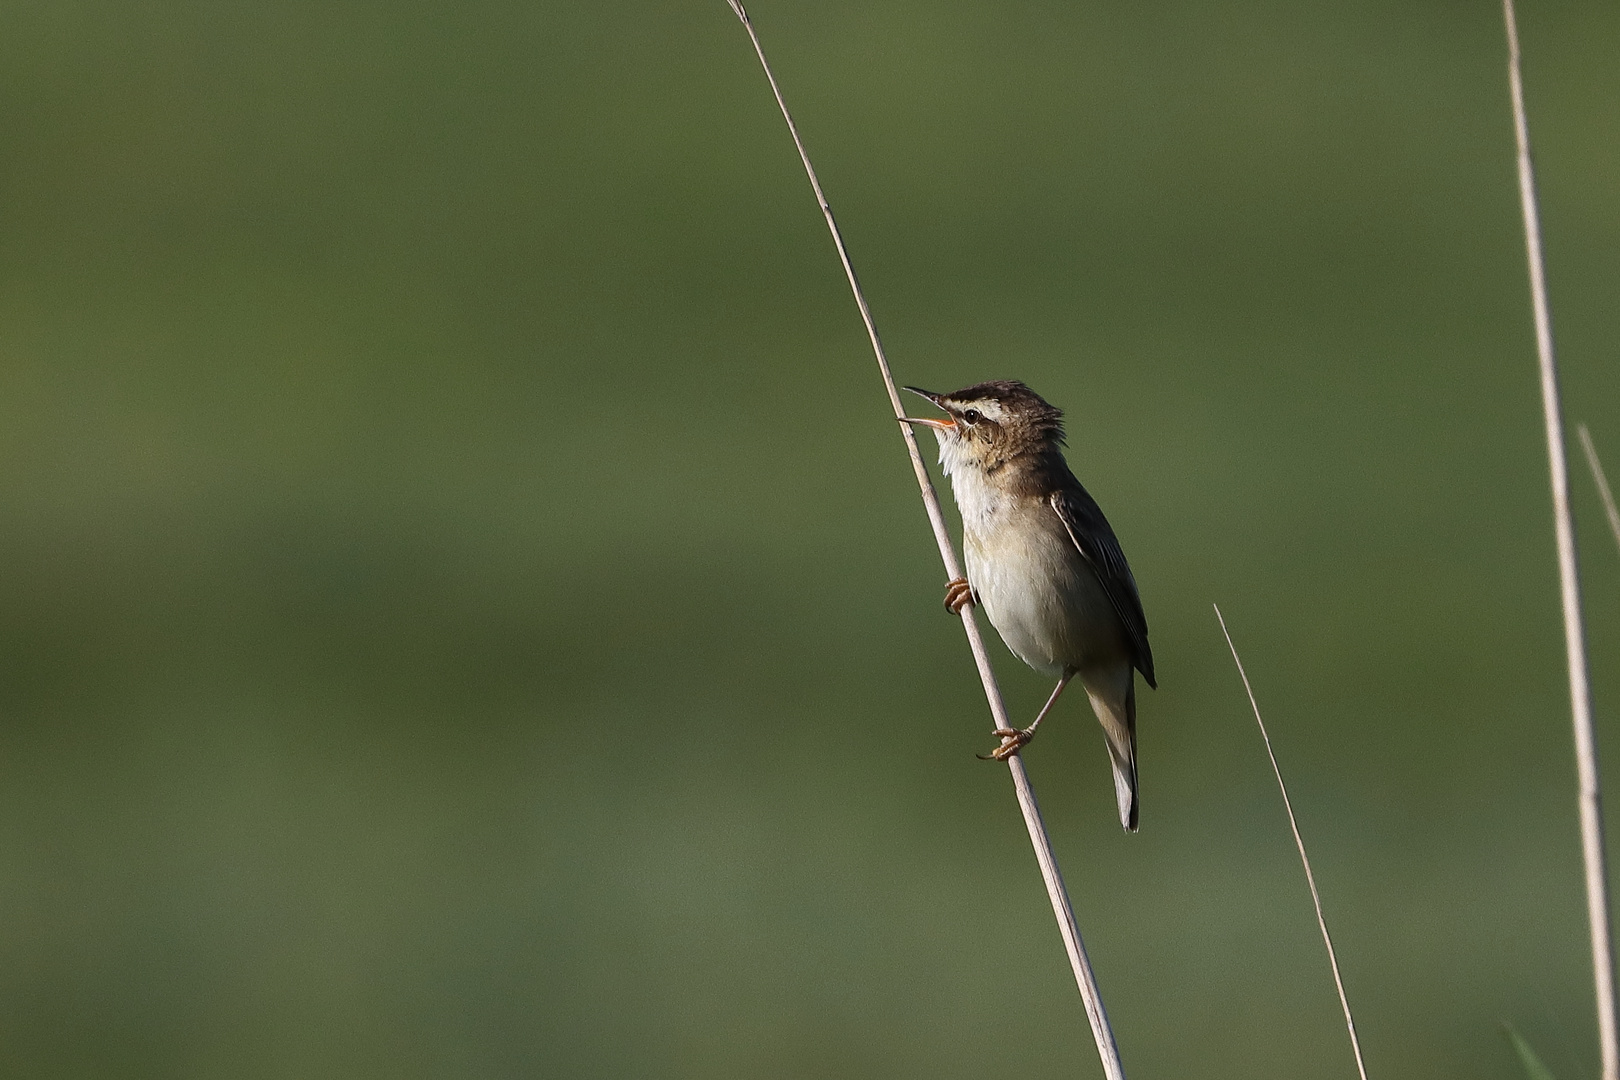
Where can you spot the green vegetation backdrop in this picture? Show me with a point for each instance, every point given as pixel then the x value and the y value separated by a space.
pixel 466 613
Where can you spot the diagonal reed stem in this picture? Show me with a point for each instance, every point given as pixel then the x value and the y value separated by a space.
pixel 1293 824
pixel 1107 1050
pixel 1601 480
pixel 1580 694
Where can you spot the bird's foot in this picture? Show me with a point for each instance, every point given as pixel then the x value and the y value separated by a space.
pixel 1012 741
pixel 958 595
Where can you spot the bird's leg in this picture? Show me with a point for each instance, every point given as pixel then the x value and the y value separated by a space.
pixel 1013 739
pixel 958 595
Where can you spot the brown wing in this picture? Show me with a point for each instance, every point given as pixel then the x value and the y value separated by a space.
pixel 1090 531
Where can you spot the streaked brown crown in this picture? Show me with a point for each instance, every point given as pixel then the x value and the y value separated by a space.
pixel 1025 411
pixel 1001 420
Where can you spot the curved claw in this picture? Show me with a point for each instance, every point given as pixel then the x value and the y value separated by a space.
pixel 1013 740
pixel 958 595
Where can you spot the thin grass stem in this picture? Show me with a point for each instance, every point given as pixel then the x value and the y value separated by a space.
pixel 1299 843
pixel 1084 978
pixel 1601 480
pixel 1580 694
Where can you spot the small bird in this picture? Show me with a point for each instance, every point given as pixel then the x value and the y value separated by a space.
pixel 1043 562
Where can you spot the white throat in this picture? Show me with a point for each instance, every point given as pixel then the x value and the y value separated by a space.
pixel 976 498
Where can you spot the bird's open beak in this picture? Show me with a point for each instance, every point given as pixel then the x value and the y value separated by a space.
pixel 947 424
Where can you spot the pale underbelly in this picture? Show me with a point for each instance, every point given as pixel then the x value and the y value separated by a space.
pixel 1046 604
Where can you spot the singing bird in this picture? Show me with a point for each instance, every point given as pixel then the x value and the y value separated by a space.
pixel 1043 562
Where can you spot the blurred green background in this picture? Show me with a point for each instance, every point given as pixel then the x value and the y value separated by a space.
pixel 465 610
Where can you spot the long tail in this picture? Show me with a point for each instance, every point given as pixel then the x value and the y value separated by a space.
pixel 1118 719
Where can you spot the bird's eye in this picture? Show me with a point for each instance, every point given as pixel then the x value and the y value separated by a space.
pixel 972 416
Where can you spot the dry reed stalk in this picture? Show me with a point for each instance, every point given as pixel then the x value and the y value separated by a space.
pixel 1299 842
pixel 1107 1050
pixel 1601 480
pixel 1580 695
